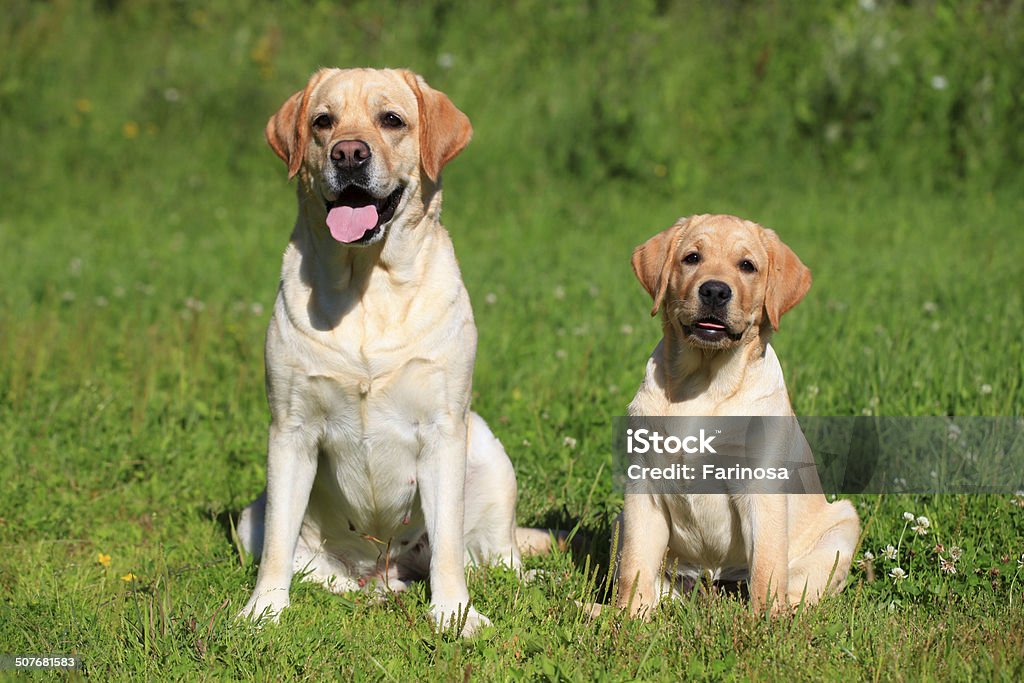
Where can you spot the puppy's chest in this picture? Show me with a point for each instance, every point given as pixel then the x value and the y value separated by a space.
pixel 706 529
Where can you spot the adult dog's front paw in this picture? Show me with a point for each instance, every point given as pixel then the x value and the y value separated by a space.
pixel 451 616
pixel 265 607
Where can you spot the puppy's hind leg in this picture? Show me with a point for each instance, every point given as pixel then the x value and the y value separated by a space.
pixel 824 568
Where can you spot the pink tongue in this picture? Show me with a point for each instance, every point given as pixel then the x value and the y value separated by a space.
pixel 711 326
pixel 348 224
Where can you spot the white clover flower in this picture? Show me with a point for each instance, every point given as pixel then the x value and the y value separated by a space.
pixel 930 307
pixel 256 308
pixel 953 432
pixel 561 354
pixel 919 529
pixel 897 574
pixel 626 329
pixel 490 298
pixel 947 566
pixel 559 292
pixel 923 521
pixel 955 552
pixel 986 389
pixel 889 552
pixel 569 442
pixel 939 82
pixel 813 390
pixel 909 516
pixel 446 60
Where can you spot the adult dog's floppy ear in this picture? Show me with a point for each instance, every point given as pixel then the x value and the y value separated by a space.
pixel 444 130
pixel 788 278
pixel 653 260
pixel 287 130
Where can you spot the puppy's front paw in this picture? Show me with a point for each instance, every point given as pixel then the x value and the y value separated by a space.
pixel 450 616
pixel 265 607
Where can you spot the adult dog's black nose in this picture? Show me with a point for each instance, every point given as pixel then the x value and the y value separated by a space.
pixel 714 293
pixel 350 154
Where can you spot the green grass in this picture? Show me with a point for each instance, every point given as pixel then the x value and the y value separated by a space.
pixel 142 226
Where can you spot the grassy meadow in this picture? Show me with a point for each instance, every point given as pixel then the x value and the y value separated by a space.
pixel 143 217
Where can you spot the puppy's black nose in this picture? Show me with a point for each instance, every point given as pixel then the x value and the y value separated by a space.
pixel 350 154
pixel 714 293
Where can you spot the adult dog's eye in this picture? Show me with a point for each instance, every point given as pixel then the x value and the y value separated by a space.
pixel 390 119
pixel 323 121
pixel 747 266
pixel 692 258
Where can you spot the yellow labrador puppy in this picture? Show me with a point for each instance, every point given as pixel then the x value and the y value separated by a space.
pixel 377 470
pixel 723 284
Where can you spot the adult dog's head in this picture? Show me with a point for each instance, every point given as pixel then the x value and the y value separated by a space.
pixel 721 279
pixel 368 146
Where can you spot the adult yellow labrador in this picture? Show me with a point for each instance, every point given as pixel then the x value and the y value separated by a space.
pixel 377 470
pixel 723 283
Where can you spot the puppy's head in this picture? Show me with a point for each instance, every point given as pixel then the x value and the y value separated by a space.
pixel 720 278
pixel 365 143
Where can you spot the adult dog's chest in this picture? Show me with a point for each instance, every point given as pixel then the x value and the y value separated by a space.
pixel 368 420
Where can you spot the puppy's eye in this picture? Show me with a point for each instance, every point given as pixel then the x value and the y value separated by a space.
pixel 390 119
pixel 747 266
pixel 692 258
pixel 322 122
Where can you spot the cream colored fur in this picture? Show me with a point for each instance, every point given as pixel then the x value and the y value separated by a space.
pixel 788 547
pixel 377 470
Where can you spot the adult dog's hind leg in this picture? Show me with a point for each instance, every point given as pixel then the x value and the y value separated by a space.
pixel 490 527
pixel 824 568
pixel 250 526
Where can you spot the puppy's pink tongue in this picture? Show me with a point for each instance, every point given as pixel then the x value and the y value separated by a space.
pixel 348 224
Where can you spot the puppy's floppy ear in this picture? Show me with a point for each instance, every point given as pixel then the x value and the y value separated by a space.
pixel 788 278
pixel 287 131
pixel 653 260
pixel 444 130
